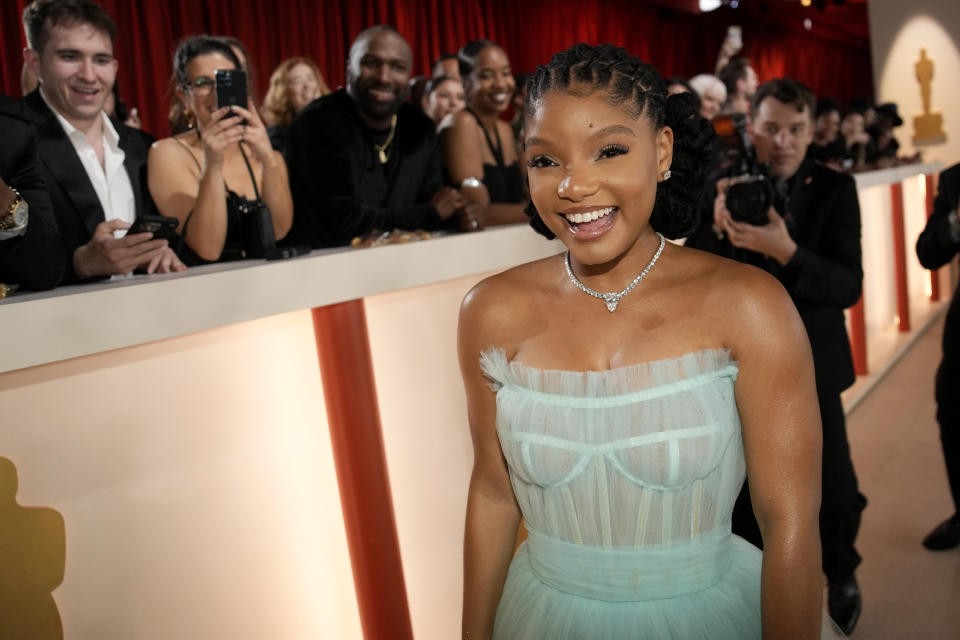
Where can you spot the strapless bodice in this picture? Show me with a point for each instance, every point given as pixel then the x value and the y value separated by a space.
pixel 647 454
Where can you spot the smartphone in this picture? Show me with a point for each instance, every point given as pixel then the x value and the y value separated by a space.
pixel 735 36
pixel 282 253
pixel 231 87
pixel 162 227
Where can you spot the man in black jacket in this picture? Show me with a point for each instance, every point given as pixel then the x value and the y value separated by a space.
pixel 937 246
pixel 363 159
pixel 31 251
pixel 813 248
pixel 95 172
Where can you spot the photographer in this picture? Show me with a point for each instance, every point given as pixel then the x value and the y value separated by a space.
pixel 800 221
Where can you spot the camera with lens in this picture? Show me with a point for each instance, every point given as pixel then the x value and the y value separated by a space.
pixel 754 191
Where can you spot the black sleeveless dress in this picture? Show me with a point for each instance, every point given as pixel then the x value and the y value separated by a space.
pixel 237 207
pixel 504 183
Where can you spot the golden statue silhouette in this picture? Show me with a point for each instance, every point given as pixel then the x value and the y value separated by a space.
pixel 32 560
pixel 928 126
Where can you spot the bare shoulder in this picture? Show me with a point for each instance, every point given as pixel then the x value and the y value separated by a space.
pixel 752 307
pixel 497 311
pixel 164 147
pixel 170 149
pixel 462 119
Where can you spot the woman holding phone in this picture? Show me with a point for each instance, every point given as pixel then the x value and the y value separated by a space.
pixel 220 174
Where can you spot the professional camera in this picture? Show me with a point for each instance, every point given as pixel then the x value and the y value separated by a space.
pixel 753 192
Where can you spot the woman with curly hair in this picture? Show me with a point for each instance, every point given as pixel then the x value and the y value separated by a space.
pixel 294 84
pixel 618 391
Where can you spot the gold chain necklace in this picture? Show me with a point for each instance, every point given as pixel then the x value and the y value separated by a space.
pixel 382 148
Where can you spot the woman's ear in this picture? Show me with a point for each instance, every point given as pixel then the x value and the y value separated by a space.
pixel 664 149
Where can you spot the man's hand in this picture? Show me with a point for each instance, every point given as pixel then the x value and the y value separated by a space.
pixel 447 201
pixel 7 197
pixel 105 255
pixel 166 262
pixel 772 239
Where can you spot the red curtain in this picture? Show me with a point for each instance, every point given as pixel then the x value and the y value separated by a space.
pixel 676 42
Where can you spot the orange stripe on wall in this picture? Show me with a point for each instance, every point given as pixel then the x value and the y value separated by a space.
pixel 354 418
pixel 899 256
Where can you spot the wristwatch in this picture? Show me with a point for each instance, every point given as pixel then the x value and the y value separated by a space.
pixel 16 215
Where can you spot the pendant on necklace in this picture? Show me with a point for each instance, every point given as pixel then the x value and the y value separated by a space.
pixel 383 156
pixel 611 300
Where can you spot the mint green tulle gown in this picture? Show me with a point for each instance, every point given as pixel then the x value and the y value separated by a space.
pixel 626 479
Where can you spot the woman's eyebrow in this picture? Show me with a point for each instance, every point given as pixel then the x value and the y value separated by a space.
pixel 530 142
pixel 612 129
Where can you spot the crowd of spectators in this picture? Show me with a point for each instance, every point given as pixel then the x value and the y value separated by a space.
pixel 306 167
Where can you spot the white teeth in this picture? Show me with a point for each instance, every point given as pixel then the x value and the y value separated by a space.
pixel 578 218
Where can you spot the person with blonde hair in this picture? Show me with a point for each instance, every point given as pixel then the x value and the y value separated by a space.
pixel 294 84
pixel 712 92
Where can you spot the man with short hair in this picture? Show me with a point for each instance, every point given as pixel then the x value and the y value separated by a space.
pixel 741 82
pixel 447 65
pixel 362 158
pixel 94 171
pixel 810 240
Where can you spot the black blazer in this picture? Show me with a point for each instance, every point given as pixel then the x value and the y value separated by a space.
pixel 935 248
pixel 338 189
pixel 75 202
pixel 37 259
pixel 825 276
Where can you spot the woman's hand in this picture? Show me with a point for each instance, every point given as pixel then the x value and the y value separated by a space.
pixel 223 130
pixel 255 133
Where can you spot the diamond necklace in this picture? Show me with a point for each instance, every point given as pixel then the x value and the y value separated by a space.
pixel 612 299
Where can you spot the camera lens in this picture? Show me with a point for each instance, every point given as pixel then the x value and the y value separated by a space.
pixel 749 201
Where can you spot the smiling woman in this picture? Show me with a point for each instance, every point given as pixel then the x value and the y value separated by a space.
pixel 620 429
pixel 479 148
pixel 218 179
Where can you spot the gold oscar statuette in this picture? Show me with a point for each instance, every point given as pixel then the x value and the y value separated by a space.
pixel 928 126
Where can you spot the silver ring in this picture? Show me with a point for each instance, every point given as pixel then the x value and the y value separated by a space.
pixel 474 224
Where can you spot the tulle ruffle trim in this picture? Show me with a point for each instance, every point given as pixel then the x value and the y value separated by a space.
pixel 612 382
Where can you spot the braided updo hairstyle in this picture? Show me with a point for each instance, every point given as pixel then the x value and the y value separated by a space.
pixel 637 88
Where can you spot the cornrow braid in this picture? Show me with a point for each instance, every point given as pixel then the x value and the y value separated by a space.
pixel 638 88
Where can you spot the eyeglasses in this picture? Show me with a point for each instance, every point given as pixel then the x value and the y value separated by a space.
pixel 201 86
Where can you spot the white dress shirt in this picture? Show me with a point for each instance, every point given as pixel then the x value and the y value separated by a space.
pixel 110 180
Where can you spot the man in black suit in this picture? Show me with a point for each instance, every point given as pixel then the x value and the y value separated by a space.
pixel 813 247
pixel 95 172
pixel 363 159
pixel 937 246
pixel 31 250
